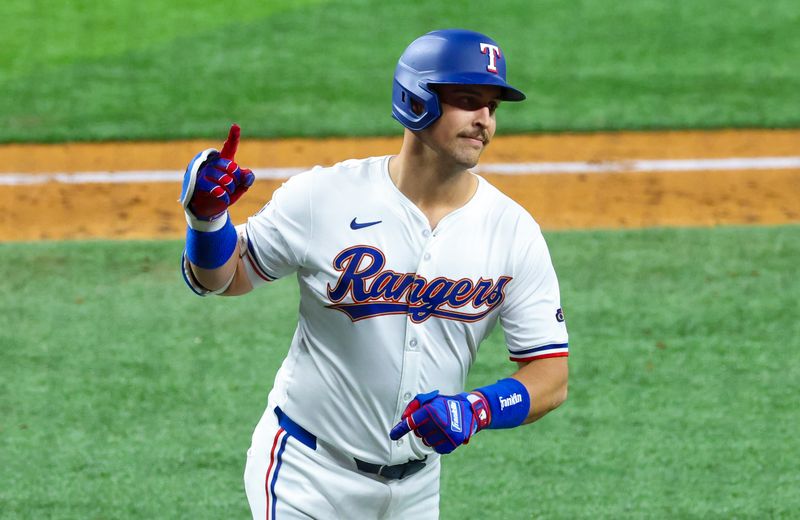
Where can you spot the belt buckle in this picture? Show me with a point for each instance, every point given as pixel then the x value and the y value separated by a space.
pixel 400 471
pixel 382 474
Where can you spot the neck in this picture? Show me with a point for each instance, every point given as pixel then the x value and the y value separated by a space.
pixel 436 185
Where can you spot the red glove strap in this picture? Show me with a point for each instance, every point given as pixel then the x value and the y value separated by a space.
pixel 480 407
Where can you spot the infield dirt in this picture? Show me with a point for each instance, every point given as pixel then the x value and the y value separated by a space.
pixel 619 199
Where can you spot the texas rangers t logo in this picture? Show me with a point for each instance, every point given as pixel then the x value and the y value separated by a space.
pixel 494 52
pixel 375 292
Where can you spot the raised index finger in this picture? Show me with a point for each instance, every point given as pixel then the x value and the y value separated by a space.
pixel 399 430
pixel 231 143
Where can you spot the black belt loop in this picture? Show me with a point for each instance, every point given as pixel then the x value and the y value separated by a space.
pixel 396 472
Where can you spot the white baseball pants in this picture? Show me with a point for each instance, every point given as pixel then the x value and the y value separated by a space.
pixel 285 478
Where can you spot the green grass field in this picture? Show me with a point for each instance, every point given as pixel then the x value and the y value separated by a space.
pixel 119 398
pixel 143 69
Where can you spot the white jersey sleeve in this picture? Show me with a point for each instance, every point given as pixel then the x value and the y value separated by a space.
pixel 531 315
pixel 275 241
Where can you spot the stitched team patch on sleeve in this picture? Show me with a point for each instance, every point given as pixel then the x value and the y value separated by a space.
pixel 546 351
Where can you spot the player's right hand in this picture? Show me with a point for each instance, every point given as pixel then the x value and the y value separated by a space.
pixel 213 181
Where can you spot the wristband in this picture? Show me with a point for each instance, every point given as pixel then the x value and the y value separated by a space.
pixel 509 403
pixel 211 249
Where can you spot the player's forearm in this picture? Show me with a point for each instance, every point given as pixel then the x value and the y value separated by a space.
pixel 222 276
pixel 546 381
pixel 535 389
pixel 213 182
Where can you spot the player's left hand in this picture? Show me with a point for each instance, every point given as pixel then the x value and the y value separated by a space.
pixel 443 422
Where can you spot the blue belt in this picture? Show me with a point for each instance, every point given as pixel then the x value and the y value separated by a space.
pixel 395 472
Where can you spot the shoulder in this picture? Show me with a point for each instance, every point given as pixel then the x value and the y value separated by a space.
pixel 350 169
pixel 330 179
pixel 506 211
pixel 513 230
pixel 325 189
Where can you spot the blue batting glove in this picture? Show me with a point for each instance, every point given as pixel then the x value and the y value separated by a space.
pixel 444 422
pixel 213 182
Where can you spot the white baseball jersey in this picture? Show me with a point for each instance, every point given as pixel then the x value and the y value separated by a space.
pixel 389 307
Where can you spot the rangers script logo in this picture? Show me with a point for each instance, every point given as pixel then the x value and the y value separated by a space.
pixel 374 291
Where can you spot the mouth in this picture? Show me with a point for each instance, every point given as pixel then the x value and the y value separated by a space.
pixel 477 140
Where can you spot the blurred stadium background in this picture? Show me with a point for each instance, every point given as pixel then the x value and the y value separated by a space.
pixel 118 398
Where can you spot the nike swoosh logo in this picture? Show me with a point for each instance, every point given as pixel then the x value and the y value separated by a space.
pixel 360 225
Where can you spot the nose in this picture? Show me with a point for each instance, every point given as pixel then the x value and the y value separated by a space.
pixel 483 117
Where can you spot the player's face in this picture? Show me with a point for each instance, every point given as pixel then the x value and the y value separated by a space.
pixel 467 123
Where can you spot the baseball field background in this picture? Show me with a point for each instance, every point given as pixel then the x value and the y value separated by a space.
pixel 659 149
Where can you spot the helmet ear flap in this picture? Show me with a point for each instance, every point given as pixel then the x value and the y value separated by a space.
pixel 414 106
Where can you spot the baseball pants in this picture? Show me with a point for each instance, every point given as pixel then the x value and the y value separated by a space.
pixel 289 476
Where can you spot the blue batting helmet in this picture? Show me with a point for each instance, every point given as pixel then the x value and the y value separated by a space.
pixel 446 57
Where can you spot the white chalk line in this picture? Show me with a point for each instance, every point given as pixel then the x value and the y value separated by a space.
pixel 530 168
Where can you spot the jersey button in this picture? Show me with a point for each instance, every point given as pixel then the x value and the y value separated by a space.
pixel 412 344
pixel 426 233
pixel 400 442
pixel 407 396
pixel 426 256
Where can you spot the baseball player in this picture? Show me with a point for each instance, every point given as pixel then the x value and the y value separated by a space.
pixel 405 264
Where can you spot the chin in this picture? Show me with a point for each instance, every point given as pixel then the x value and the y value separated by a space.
pixel 468 161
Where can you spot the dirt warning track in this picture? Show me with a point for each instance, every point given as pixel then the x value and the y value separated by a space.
pixel 567 181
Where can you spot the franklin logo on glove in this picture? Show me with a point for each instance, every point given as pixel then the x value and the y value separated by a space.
pixel 455 416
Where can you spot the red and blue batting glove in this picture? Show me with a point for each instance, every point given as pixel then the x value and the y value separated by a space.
pixel 212 182
pixel 445 422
